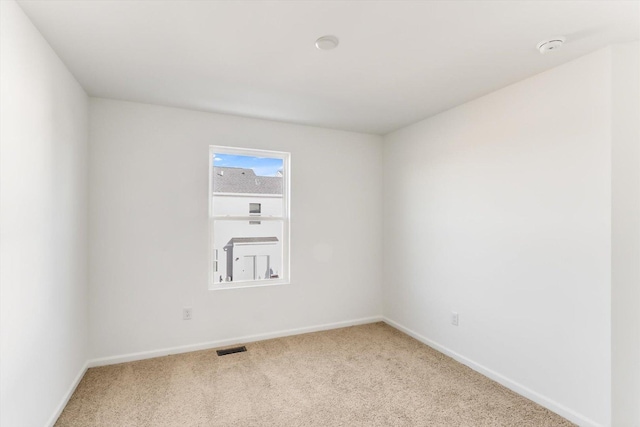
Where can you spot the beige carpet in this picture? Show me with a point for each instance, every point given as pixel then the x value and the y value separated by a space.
pixel 371 375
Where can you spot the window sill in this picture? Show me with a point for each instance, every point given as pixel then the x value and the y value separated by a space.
pixel 248 284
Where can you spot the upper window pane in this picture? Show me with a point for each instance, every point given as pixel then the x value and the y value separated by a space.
pixel 245 178
pixel 234 173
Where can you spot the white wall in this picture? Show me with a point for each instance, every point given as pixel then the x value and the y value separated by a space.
pixel 625 266
pixel 148 210
pixel 43 209
pixel 500 209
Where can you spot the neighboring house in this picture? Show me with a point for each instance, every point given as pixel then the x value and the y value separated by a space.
pixel 248 249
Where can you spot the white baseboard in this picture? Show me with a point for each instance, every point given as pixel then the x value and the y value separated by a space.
pixel 112 360
pixel 550 404
pixel 67 396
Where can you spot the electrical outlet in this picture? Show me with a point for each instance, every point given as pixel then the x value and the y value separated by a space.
pixel 187 313
pixel 454 318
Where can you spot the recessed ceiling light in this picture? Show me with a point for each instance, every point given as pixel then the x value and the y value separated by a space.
pixel 327 42
pixel 550 45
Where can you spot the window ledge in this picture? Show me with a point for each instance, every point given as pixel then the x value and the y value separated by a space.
pixel 247 284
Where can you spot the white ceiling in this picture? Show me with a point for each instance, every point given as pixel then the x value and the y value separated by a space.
pixel 398 61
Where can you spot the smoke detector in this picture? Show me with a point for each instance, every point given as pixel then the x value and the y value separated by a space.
pixel 327 42
pixel 550 45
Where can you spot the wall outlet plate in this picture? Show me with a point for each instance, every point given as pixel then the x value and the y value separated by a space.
pixel 187 313
pixel 454 318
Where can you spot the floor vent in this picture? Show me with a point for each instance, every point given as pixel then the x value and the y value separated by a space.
pixel 231 350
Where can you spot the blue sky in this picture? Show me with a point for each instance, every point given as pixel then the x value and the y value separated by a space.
pixel 262 166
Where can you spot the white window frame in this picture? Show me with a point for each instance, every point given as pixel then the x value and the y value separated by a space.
pixel 285 275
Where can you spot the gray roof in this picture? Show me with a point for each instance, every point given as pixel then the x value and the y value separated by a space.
pixel 240 180
pixel 251 240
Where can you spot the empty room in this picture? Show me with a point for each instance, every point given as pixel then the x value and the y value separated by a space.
pixel 319 213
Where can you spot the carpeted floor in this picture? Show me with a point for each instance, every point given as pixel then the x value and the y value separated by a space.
pixel 370 375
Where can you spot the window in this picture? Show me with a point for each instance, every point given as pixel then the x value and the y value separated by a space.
pixel 248 217
pixel 255 208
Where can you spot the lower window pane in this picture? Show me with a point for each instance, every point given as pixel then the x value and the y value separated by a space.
pixel 248 251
